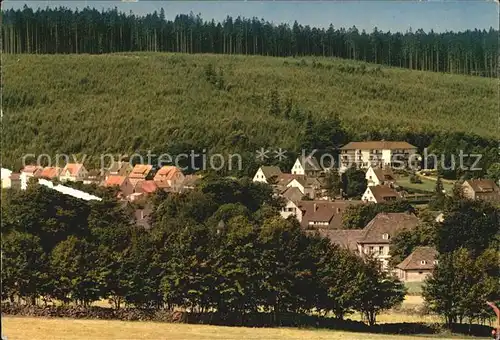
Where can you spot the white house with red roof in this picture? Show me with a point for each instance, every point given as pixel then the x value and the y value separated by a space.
pixel 73 172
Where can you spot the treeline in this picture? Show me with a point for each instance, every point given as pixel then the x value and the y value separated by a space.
pixel 222 248
pixel 61 30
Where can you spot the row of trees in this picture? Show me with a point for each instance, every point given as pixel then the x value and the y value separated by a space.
pixel 222 247
pixel 468 272
pixel 61 30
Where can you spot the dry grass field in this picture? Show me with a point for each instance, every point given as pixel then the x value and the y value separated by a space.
pixel 24 328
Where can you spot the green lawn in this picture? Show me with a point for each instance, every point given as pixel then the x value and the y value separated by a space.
pixel 426 185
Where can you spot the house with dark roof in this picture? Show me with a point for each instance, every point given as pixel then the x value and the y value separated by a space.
pixel 267 174
pixel 380 193
pixel 378 153
pixel 120 168
pixel 308 186
pixel 418 265
pixel 378 233
pixel 344 238
pixel 323 214
pixel 379 176
pixel 308 166
pixel 482 189
pixel 145 187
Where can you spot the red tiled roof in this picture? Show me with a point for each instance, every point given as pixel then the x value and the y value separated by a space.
pixel 167 172
pixel 50 172
pixel 140 171
pixel 324 211
pixel 32 169
pixel 73 168
pixel 147 187
pixel 113 180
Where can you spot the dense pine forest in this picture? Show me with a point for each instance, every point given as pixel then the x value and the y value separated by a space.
pixel 169 102
pixel 62 30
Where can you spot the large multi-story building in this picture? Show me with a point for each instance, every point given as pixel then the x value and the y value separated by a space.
pixel 378 154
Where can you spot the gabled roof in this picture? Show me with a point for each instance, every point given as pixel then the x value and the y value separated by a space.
pixel 285 179
pixel 387 223
pixel 309 163
pixel 483 185
pixel 270 171
pixel 50 172
pixel 324 211
pixel 382 192
pixel 147 187
pixel 383 174
pixel 293 194
pixel 167 172
pixel 32 169
pixel 15 176
pixel 420 258
pixel 345 238
pixel 141 170
pixel 113 180
pixel 73 168
pixel 378 145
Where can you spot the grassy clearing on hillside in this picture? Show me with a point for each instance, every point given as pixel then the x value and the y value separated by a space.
pixel 23 328
pixel 120 103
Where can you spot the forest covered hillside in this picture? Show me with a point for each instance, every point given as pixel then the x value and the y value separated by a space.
pixel 121 103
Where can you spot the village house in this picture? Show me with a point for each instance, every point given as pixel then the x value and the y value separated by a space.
pixel 6 181
pixel 29 171
pixel 344 238
pixel 483 189
pixel 308 186
pixel 93 177
pixel 15 181
pixel 267 174
pixel 380 193
pixel 120 168
pixel 323 214
pixel 50 172
pixel 379 176
pixel 418 265
pixel 145 188
pixel 379 154
pixel 169 177
pixel 73 172
pixel 307 166
pixel 378 233
pixel 140 172
pixel 142 216
pixel 123 183
pixel 292 196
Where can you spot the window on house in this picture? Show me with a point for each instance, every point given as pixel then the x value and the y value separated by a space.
pixel 381 250
pixel 423 262
pixel 371 250
pixel 385 236
pixel 435 262
pixel 420 273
